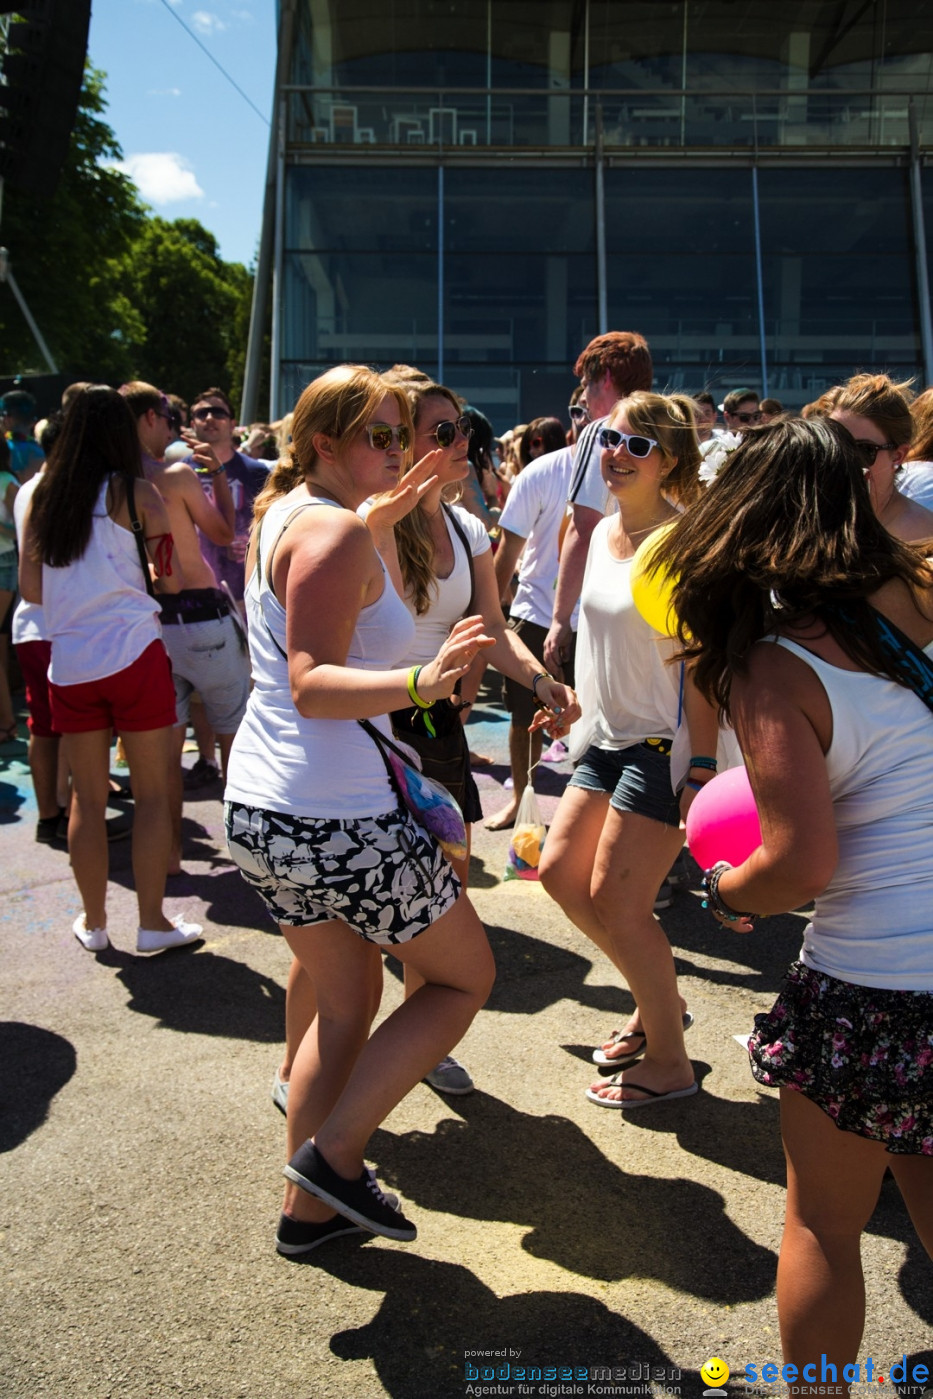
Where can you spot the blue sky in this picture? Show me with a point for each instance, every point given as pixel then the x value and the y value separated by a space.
pixel 193 146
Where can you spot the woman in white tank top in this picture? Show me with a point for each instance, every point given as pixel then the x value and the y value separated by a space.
pixel 311 819
pixel 109 669
pixel 786 548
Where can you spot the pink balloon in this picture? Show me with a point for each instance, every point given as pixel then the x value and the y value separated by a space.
pixel 722 823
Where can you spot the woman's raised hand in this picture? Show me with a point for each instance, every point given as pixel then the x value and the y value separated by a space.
pixel 390 507
pixel 453 660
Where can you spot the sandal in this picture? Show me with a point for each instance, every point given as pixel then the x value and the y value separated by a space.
pixel 620 1061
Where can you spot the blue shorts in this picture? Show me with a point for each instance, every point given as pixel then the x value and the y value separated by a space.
pixel 637 779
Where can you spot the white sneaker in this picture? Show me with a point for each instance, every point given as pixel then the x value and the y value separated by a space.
pixel 94 939
pixel 154 940
pixel 280 1093
pixel 665 897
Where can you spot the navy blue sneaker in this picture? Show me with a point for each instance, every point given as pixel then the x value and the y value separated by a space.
pixel 359 1200
pixel 296 1236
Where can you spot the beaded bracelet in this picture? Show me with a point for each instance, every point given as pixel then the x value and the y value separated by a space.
pixel 542 675
pixel 710 764
pixel 413 688
pixel 713 900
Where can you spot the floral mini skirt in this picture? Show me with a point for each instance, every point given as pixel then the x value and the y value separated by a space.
pixel 863 1055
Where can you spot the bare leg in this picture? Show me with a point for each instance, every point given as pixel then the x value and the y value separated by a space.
pixel 89 757
pixel 519 739
pixel 225 743
pixel 914 1176
pixel 300 1010
pixel 151 757
pixel 43 764
pixel 833 1181
pixel 461 869
pixel 456 965
pixel 176 798
pixel 202 732
pixel 604 868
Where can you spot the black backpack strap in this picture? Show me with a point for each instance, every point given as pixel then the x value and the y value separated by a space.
pixel 461 535
pixel 910 665
pixel 138 534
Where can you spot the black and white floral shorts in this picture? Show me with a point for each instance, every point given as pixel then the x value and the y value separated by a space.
pixel 382 875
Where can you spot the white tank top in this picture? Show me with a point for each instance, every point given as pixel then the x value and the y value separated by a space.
pixel 622 679
pixel 97 613
pixel 312 768
pixel 873 924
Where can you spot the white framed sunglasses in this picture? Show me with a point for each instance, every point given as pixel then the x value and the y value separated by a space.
pixel 635 444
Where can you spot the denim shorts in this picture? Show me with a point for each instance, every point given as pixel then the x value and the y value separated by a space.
pixel 383 876
pixel 637 779
pixel 210 658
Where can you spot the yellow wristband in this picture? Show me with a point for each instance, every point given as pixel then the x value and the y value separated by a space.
pixel 413 689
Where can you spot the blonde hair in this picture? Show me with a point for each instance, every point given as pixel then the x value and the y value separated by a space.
pixel 413 538
pixel 336 404
pixel 669 418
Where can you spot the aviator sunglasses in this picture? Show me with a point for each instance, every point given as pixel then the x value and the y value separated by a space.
pixel 381 437
pixel 445 433
pixel 635 445
pixel 748 418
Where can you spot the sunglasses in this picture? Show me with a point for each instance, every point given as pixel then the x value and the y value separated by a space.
pixel 747 418
pixel 578 412
pixel 870 450
pixel 445 433
pixel 199 414
pixel 381 437
pixel 635 445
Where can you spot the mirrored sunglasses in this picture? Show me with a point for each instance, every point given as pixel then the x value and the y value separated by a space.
pixel 381 437
pixel 635 445
pixel 870 450
pixel 445 433
pixel 578 412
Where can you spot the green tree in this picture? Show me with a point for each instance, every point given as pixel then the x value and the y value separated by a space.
pixel 192 306
pixel 65 253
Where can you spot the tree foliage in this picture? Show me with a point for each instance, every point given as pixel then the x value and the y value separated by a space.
pixel 118 293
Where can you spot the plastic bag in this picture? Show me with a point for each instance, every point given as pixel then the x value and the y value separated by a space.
pixel 527 840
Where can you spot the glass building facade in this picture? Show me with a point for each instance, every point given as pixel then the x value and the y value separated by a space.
pixel 478 187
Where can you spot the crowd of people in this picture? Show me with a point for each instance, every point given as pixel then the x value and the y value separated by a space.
pixel 323 615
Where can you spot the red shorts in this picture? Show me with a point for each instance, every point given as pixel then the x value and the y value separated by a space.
pixel 134 700
pixel 34 657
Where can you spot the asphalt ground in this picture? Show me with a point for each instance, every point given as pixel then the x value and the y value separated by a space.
pixel 140 1156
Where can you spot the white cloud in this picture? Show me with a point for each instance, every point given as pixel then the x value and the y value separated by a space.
pixel 164 92
pixel 161 177
pixel 206 23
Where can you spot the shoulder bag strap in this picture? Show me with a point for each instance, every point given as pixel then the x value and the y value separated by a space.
pixel 138 535
pixel 910 665
pixel 461 535
pixel 275 544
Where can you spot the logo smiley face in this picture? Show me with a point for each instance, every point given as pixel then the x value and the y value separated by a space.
pixel 715 1372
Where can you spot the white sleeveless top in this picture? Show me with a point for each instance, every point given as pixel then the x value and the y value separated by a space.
pixel 311 768
pixel 97 613
pixel 873 924
pixel 626 690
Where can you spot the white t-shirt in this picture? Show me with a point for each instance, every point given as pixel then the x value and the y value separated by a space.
pixel 29 618
pixel 626 691
pixel 873 924
pixel 587 486
pixel 535 511
pixel 916 481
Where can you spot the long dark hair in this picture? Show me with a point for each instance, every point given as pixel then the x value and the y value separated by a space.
pixel 785 534
pixel 98 441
